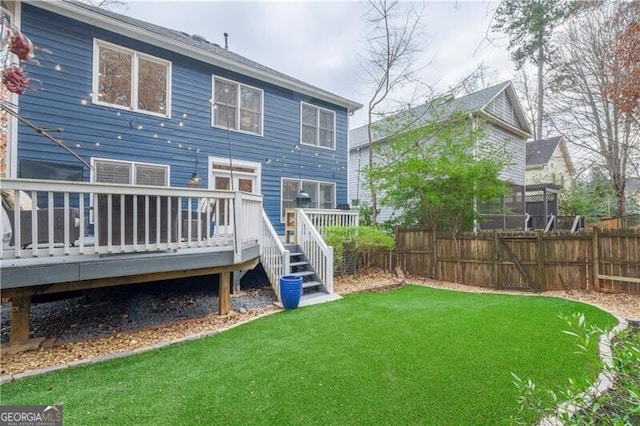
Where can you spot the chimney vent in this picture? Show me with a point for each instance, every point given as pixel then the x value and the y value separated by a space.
pixel 226 41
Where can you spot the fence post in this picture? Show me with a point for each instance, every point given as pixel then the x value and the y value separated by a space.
pixel 435 255
pixel 496 257
pixel 596 259
pixel 542 282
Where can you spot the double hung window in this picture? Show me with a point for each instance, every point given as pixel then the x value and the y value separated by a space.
pixel 124 78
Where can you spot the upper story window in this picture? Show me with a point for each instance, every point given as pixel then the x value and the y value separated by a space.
pixel 237 106
pixel 317 126
pixel 124 78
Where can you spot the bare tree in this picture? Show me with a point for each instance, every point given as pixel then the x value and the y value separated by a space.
pixel 587 66
pixel 525 87
pixel 394 39
pixel 114 5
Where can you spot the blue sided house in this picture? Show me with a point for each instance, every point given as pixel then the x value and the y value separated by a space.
pixel 178 155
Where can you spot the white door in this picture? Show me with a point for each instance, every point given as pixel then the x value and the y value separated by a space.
pixel 245 177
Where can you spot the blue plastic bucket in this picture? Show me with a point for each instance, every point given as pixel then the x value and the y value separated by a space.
pixel 290 291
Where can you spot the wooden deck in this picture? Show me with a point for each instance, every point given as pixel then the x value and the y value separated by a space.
pixel 94 235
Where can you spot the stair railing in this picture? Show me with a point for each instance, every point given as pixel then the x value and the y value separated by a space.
pixel 318 253
pixel 274 257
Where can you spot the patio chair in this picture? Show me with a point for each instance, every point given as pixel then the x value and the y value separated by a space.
pixel 42 218
pixel 200 214
pixel 144 211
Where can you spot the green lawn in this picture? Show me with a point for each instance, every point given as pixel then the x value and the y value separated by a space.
pixel 410 356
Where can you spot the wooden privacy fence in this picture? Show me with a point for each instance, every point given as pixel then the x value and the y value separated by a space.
pixel 602 260
pixel 631 221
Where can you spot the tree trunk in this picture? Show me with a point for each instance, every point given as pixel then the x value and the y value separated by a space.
pixel 374 199
pixel 538 131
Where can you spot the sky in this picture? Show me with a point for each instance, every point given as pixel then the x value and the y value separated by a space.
pixel 319 41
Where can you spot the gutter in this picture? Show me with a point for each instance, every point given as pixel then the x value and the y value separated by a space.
pixel 114 25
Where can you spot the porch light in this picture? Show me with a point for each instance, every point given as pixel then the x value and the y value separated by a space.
pixel 195 180
pixel 195 177
pixel 303 200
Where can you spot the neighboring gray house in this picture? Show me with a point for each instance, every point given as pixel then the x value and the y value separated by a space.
pixel 498 105
pixel 548 161
pixel 632 190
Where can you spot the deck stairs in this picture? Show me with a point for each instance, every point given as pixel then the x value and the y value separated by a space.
pixel 309 257
pixel 313 289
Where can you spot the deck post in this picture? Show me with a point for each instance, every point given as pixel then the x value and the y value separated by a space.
pixel 20 312
pixel 224 293
pixel 237 276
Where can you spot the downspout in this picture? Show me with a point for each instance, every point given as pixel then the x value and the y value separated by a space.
pixel 358 187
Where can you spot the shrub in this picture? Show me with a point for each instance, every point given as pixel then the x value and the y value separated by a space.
pixel 357 239
pixel 620 405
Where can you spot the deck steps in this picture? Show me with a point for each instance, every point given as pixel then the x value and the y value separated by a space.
pixel 300 267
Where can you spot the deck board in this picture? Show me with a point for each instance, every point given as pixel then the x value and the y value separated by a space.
pixel 33 272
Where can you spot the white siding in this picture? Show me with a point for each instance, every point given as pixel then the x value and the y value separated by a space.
pixel 555 171
pixel 358 188
pixel 516 147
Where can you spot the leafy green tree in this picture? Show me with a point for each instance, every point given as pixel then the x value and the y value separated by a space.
pixel 590 197
pixel 436 175
pixel 530 25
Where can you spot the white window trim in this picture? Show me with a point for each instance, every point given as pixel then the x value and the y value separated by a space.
pixel 92 175
pixel 97 43
pixel 237 123
pixel 318 182
pixel 239 163
pixel 318 108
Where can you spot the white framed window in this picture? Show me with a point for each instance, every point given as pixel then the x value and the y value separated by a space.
pixel 317 126
pixel 129 172
pixel 323 194
pixel 237 106
pixel 126 79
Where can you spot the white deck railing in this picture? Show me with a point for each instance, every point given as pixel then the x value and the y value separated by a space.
pixel 318 253
pixel 273 256
pixel 74 218
pixel 322 218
